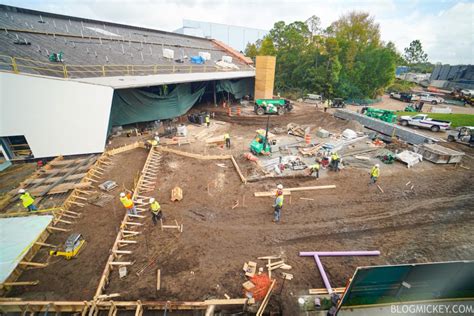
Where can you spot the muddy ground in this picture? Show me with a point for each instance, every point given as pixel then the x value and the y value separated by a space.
pixel 77 279
pixel 432 222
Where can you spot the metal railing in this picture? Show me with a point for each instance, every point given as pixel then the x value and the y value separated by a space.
pixel 24 65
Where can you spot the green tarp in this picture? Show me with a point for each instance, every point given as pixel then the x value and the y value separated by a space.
pixel 134 105
pixel 239 88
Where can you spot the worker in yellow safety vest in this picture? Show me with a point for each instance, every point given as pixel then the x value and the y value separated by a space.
pixel 278 204
pixel 155 209
pixel 127 202
pixel 314 168
pixel 326 105
pixel 27 200
pixel 208 120
pixel 335 160
pixel 374 174
pixel 227 140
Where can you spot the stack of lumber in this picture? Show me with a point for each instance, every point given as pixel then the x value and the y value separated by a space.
pixel 296 130
pixel 310 151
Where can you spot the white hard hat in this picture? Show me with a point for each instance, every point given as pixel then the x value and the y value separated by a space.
pixel 280 187
pixel 122 194
pixel 152 200
pixel 377 165
pixel 21 191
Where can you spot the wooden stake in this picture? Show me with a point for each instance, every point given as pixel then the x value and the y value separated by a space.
pixel 158 279
pixel 378 186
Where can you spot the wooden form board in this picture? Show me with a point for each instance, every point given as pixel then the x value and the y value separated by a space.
pixel 31 253
pixel 122 149
pixel 88 307
pixel 208 157
pixel 264 77
pixel 150 164
pixel 289 190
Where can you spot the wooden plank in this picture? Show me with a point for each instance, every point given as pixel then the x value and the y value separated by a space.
pixel 238 169
pixel 128 241
pixel 122 252
pixel 266 300
pixel 232 301
pixel 289 190
pixel 20 283
pixel 34 264
pixel 158 279
pixel 272 194
pixel 321 291
pixel 121 263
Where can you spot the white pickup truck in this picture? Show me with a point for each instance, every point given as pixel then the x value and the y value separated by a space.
pixel 423 121
pixel 431 98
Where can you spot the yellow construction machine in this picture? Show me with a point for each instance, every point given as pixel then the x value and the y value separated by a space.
pixel 73 245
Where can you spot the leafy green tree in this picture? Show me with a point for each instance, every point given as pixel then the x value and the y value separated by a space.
pixel 414 53
pixel 251 50
pixel 267 48
pixel 346 60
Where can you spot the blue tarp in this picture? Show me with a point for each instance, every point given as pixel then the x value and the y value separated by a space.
pixel 17 235
pixel 197 60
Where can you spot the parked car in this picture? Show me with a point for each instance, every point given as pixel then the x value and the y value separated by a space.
pixel 404 96
pixel 467 92
pixel 464 135
pixel 431 98
pixel 423 121
pixel 338 103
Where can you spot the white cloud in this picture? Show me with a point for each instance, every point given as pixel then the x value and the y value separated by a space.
pixel 447 35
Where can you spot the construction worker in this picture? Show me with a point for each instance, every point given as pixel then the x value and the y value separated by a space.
pixel 150 143
pixel 374 174
pixel 27 200
pixel 278 203
pixel 326 105
pixel 155 209
pixel 127 202
pixel 315 168
pixel 335 160
pixel 227 140
pixel 208 120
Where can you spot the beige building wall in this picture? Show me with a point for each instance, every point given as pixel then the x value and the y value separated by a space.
pixel 264 77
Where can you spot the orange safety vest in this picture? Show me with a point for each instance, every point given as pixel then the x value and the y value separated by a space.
pixel 127 201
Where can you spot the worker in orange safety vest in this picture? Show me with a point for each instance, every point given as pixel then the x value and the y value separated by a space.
pixel 127 202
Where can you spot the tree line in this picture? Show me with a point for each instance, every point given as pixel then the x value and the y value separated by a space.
pixel 347 60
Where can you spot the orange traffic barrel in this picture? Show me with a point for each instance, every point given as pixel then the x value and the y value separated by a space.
pixel 229 111
pixel 238 111
pixel 307 139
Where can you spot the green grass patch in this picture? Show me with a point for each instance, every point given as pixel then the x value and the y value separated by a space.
pixel 455 119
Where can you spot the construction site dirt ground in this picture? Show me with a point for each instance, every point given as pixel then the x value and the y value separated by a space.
pixel 429 223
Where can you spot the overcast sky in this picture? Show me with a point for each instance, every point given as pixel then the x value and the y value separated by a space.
pixel 445 27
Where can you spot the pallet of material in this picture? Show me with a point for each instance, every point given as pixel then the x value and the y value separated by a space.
pixel 309 151
pixel 215 140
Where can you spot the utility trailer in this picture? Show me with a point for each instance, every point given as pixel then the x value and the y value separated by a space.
pixel 386 130
pixel 438 154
